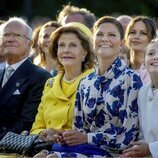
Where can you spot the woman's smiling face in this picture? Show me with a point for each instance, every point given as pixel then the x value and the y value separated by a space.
pixel 45 34
pixel 107 41
pixel 151 58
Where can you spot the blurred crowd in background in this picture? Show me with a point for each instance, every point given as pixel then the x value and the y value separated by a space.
pixel 81 80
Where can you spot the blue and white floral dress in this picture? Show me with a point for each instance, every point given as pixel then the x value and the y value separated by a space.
pixel 106 109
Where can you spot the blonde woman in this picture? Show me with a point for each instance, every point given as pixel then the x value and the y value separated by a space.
pixel 44 59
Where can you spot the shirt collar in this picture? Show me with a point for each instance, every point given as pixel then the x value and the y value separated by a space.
pixel 16 65
pixel 117 66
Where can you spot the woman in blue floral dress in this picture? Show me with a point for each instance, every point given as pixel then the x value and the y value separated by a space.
pixel 106 112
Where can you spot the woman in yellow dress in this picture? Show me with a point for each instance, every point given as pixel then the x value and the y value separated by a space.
pixel 71 47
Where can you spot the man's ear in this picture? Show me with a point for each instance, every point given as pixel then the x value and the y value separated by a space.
pixel 30 43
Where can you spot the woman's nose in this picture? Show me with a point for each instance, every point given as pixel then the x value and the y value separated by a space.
pixel 66 49
pixel 104 38
pixel 156 57
pixel 136 35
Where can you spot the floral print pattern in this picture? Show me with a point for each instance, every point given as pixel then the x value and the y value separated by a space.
pixel 106 108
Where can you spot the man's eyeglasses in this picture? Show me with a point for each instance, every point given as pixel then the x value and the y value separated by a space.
pixel 16 36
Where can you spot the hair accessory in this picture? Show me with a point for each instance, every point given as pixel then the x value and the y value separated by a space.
pixel 82 27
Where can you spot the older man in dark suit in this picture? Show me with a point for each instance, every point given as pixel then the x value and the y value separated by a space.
pixel 21 82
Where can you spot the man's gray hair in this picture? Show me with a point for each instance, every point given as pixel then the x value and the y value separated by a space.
pixel 1 30
pixel 23 22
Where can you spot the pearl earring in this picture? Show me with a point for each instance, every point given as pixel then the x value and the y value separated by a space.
pixel 83 59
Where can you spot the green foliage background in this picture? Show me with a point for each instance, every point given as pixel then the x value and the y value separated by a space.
pixel 31 8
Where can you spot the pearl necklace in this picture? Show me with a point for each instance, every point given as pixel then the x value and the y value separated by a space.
pixel 69 81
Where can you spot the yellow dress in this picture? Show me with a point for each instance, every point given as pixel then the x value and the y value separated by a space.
pixel 57 104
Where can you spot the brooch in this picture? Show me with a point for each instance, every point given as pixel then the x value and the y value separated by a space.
pixel 50 82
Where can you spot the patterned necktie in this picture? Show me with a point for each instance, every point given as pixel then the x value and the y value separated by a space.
pixel 7 74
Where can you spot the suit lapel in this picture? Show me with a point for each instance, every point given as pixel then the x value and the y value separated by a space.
pixel 15 82
pixel 1 78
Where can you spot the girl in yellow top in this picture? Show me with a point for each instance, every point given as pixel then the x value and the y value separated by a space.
pixel 71 47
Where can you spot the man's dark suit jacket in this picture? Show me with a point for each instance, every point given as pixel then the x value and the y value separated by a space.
pixel 20 97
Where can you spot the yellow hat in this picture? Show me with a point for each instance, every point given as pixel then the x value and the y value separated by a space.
pixel 82 27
